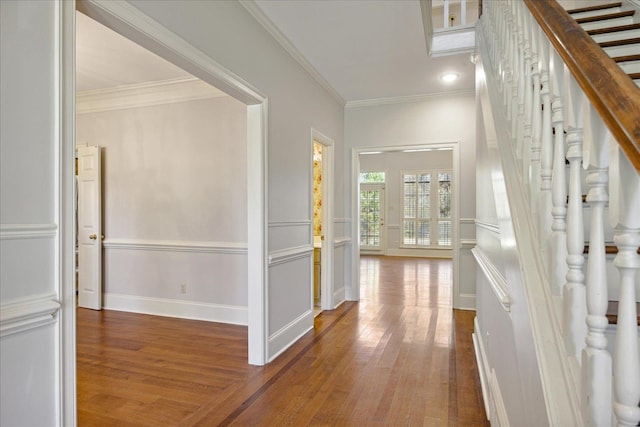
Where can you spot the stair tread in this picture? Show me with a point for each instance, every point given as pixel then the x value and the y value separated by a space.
pixel 627 58
pixel 623 42
pixel 592 8
pixel 634 75
pixel 612 312
pixel 615 29
pixel 596 18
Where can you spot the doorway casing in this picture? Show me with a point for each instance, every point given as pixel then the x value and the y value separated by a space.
pixel 131 23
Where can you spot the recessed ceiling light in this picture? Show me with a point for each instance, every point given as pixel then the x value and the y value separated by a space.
pixel 449 77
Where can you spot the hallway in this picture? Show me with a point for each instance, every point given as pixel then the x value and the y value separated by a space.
pixel 392 359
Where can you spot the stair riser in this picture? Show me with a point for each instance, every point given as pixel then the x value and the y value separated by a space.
pixel 586 215
pixel 607 23
pixel 620 35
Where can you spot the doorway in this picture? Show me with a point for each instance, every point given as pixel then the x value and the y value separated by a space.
pixel 322 232
pixel 372 214
pixel 136 26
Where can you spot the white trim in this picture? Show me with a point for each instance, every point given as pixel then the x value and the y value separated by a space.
pixel 501 418
pixel 145 95
pixel 405 99
pixel 290 48
pixel 338 295
pixel 278 224
pixel 342 220
pixel 290 333
pixel 230 248
pixel 290 254
pixel 494 276
pixel 482 363
pixel 494 228
pixel 467 301
pixel 467 243
pixel 28 313
pixel 236 315
pixel 27 231
pixel 468 221
pixel 342 241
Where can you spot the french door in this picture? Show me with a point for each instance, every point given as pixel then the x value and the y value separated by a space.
pixel 372 235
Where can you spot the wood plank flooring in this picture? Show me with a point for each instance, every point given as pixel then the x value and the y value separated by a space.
pixel 399 357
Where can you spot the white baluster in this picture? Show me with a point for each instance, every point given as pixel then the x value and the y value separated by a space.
pixel 445 16
pixel 559 184
pixel 528 100
pixel 463 12
pixel 573 298
pixel 546 159
pixel 625 214
pixel 523 76
pixel 532 100
pixel 540 84
pixel 596 360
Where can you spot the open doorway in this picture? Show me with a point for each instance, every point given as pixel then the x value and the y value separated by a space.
pixel 130 21
pixel 421 214
pixel 322 221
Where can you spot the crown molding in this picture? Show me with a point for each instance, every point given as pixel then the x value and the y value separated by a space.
pixel 286 44
pixel 145 95
pixel 406 99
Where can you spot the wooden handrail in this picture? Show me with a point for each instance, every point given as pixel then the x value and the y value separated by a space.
pixel 613 94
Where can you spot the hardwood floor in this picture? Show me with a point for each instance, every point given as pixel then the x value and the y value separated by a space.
pixel 400 356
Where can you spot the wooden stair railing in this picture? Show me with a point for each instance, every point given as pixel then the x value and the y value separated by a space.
pixel 613 94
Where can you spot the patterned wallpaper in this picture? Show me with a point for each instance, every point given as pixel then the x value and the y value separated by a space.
pixel 317 189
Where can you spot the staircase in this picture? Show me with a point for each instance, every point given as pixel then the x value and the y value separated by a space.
pixel 617 32
pixel 562 121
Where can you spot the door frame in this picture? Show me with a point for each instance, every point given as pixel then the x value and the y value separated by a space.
pixel 133 24
pixel 327 300
pixel 353 290
pixel 382 187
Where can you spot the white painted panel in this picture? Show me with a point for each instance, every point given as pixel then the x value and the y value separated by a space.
pixel 289 234
pixel 27 127
pixel 214 278
pixel 289 296
pixel 28 372
pixel 26 267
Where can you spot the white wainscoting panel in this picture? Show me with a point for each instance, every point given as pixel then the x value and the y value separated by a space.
pixel 289 334
pixel 289 234
pixel 236 315
pixel 495 278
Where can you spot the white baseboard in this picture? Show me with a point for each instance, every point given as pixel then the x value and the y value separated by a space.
pixel 236 315
pixel 483 365
pixel 422 252
pixel 498 410
pixel 289 334
pixel 338 297
pixel 465 302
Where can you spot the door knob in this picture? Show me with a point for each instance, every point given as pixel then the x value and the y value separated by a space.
pixel 93 237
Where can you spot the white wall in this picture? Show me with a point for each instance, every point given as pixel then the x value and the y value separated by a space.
pixel 30 291
pixel 394 164
pixel 175 207
pixel 431 120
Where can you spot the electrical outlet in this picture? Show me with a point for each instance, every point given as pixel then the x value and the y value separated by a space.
pixel 183 288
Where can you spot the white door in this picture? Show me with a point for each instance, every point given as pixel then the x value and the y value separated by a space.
pixel 89 228
pixel 372 236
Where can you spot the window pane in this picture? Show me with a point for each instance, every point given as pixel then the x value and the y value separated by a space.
pixel 444 195
pixel 409 233
pixel 409 201
pixel 371 177
pixel 424 237
pixel 424 196
pixel 444 233
pixel 369 217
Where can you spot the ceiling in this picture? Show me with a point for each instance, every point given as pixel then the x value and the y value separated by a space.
pixel 363 49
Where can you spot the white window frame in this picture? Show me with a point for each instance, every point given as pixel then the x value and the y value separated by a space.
pixel 433 207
